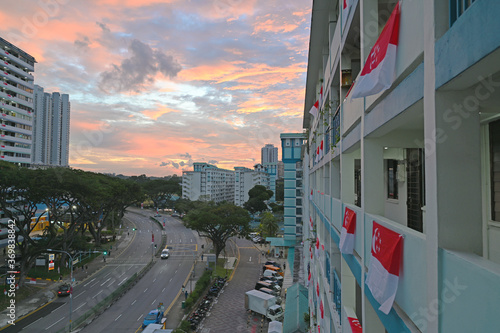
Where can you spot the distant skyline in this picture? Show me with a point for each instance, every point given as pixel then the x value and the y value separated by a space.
pixel 156 85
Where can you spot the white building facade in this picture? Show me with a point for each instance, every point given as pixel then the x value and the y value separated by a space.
pixel 16 95
pixel 421 159
pixel 51 128
pixel 209 183
pixel 269 159
pixel 245 179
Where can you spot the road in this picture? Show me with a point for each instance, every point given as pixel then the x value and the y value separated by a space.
pixel 89 293
pixel 161 284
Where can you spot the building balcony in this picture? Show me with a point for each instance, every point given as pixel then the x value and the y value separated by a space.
pixel 22 63
pixel 476 278
pixel 17 70
pixel 5 74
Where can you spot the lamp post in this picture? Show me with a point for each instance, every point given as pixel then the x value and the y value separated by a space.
pixel 71 283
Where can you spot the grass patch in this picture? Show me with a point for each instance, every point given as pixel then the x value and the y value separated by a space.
pixel 220 270
pixel 21 294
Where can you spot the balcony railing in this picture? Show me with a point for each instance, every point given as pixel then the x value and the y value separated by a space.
pixel 457 8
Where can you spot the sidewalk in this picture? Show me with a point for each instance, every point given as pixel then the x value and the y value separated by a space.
pixel 48 290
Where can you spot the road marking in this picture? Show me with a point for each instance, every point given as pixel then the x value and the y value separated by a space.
pixel 105 282
pixel 179 264
pixel 80 294
pixel 122 281
pixel 34 322
pixel 118 317
pixel 133 302
pixel 89 282
pixel 54 323
pixel 112 281
pixel 140 317
pixel 191 240
pixel 170 280
pixel 97 294
pixel 250 259
pixel 154 280
pixel 145 290
pixel 121 275
pixel 106 275
pixel 94 284
pixel 153 302
pixel 175 271
pixel 170 241
pixel 165 288
pixel 80 306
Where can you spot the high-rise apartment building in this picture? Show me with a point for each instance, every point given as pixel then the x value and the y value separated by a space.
pixel 269 159
pixel 269 154
pixel 51 128
pixel 419 159
pixel 208 182
pixel 16 97
pixel 245 179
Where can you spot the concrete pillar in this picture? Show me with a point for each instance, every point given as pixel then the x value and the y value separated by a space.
pixel 348 284
pixel 347 172
pixel 372 323
pixel 457 155
pixel 372 177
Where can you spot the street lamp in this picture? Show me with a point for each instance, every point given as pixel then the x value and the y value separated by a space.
pixel 71 283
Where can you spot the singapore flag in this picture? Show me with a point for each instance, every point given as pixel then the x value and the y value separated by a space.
pixel 383 272
pixel 380 67
pixel 346 243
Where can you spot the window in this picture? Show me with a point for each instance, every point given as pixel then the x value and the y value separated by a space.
pixel 392 181
pixel 495 169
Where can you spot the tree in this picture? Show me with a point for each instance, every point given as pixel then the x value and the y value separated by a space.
pixel 269 224
pixel 218 222
pixel 160 191
pixel 280 190
pixel 258 196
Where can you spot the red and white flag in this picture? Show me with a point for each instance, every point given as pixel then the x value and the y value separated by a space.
pixel 311 196
pixel 321 97
pixel 355 325
pixel 383 273
pixel 347 232
pixel 321 150
pixel 315 109
pixel 380 67
pixel 317 288
pixel 345 11
pixel 317 247
pixel 317 154
pixel 311 223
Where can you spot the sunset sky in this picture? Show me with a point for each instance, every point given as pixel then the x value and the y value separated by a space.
pixel 156 85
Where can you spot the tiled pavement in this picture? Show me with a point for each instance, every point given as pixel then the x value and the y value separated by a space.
pixel 229 314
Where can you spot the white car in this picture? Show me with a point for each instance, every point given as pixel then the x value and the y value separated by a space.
pixel 165 253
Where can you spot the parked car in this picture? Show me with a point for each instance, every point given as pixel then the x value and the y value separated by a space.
pixel 64 290
pixel 165 253
pixel 275 275
pixel 272 279
pixel 272 263
pixel 265 284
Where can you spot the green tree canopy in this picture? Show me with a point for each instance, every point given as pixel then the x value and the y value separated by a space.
pixel 218 222
pixel 160 191
pixel 258 196
pixel 269 224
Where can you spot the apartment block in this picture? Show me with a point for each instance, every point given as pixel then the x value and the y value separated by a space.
pixel 16 98
pixel 208 182
pixel 420 159
pixel 51 128
pixel 245 179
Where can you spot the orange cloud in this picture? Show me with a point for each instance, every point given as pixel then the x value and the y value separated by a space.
pixel 155 114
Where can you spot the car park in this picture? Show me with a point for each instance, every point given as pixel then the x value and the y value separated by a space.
pixel 64 290
pixel 165 253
